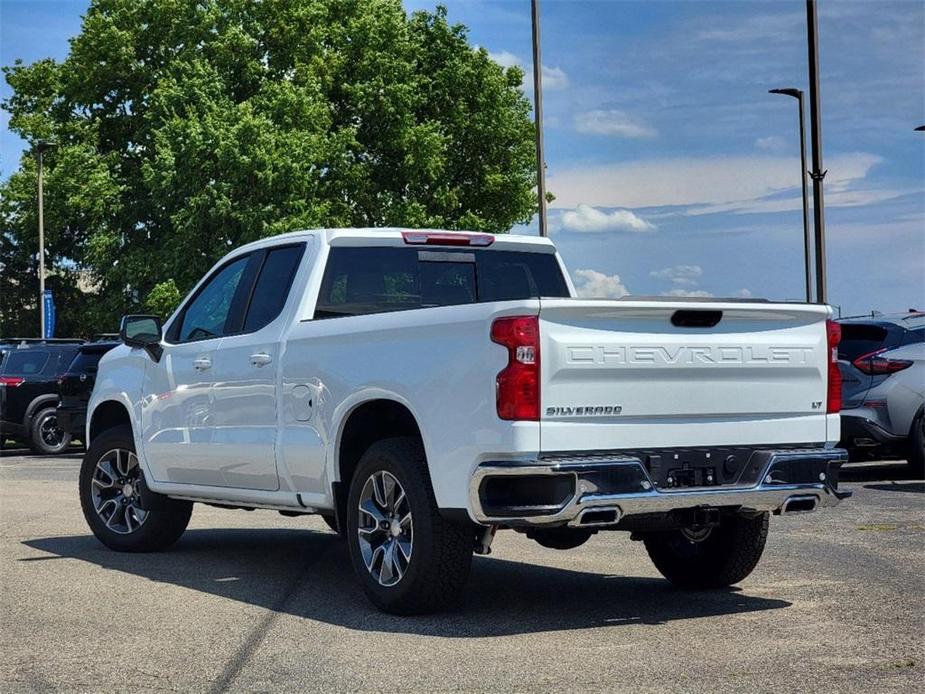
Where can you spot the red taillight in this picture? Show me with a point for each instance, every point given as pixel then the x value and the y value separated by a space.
pixel 833 335
pixel 11 381
pixel 432 238
pixel 874 365
pixel 518 384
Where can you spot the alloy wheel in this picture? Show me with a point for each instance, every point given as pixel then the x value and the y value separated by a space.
pixel 52 436
pixel 385 529
pixel 116 491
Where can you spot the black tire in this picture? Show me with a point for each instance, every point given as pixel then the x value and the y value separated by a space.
pixel 916 457
pixel 441 556
pixel 165 519
pixel 728 554
pixel 43 419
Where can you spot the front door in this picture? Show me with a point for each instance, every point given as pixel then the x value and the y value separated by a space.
pixel 178 417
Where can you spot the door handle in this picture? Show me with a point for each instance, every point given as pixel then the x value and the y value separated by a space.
pixel 261 359
pixel 202 363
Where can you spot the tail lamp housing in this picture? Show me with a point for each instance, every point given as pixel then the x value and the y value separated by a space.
pixel 518 383
pixel 875 365
pixel 833 337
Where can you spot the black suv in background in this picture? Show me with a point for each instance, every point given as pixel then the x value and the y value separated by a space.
pixel 75 386
pixel 29 391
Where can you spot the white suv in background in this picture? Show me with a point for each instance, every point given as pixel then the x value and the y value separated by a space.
pixel 882 361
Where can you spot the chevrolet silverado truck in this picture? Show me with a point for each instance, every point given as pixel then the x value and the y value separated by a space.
pixel 422 389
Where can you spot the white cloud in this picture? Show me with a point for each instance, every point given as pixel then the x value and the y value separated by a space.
pixel 698 293
pixel 585 218
pixel 553 77
pixel 612 122
pixel 772 142
pixel 695 181
pixel 836 198
pixel 680 274
pixel 744 293
pixel 592 284
pixel 505 58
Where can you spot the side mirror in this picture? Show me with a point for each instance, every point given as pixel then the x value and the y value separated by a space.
pixel 143 331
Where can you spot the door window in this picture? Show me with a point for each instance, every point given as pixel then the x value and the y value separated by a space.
pixel 272 286
pixel 207 315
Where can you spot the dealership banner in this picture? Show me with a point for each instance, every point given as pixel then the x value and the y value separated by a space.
pixel 49 315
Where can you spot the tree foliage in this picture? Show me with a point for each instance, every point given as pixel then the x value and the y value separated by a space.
pixel 184 128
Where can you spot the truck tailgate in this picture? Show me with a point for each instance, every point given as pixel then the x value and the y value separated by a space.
pixel 650 373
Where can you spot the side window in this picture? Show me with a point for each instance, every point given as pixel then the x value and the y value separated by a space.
pixel 207 314
pixel 272 286
pixel 359 281
pixel 25 363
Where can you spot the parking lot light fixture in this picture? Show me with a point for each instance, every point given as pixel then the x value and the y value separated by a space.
pixel 807 239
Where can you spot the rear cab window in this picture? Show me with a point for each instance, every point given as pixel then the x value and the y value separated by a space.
pixel 360 281
pixel 86 361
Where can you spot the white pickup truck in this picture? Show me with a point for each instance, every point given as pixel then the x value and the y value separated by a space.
pixel 422 389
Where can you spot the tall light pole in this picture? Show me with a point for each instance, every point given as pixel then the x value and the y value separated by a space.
pixel 817 174
pixel 807 240
pixel 40 149
pixel 538 117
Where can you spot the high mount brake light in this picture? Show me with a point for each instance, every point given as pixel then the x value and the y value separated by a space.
pixel 833 337
pixel 518 384
pixel 11 381
pixel 874 365
pixel 430 238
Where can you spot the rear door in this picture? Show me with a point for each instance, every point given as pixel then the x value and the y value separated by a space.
pixel 245 371
pixel 639 374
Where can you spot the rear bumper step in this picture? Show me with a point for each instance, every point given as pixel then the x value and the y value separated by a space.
pixel 604 490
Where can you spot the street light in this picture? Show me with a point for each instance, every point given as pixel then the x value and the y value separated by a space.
pixel 807 240
pixel 538 116
pixel 920 129
pixel 40 149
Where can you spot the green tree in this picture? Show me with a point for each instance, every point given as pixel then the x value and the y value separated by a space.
pixel 184 128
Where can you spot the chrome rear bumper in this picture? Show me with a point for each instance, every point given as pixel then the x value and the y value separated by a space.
pixel 790 480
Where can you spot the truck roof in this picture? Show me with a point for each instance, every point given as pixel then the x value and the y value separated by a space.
pixel 388 236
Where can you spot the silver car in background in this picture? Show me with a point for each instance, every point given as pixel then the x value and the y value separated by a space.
pixel 882 362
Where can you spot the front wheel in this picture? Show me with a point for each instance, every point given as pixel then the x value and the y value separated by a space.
pixel 714 557
pixel 117 505
pixel 409 558
pixel 46 437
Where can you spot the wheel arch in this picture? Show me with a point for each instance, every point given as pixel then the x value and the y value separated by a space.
pixel 365 423
pixel 38 403
pixel 106 415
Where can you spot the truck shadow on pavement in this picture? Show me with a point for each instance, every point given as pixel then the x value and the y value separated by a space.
pixel 308 574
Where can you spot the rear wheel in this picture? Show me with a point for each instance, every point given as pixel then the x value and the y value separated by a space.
pixel 117 505
pixel 713 557
pixel 409 558
pixel 917 446
pixel 46 437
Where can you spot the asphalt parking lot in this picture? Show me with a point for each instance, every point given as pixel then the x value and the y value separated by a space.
pixel 255 601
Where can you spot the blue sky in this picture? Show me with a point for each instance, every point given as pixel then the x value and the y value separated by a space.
pixel 674 170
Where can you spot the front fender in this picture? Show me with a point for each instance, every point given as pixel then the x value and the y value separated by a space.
pixel 121 379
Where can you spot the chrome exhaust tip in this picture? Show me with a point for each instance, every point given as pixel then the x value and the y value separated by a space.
pixel 800 504
pixel 596 517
